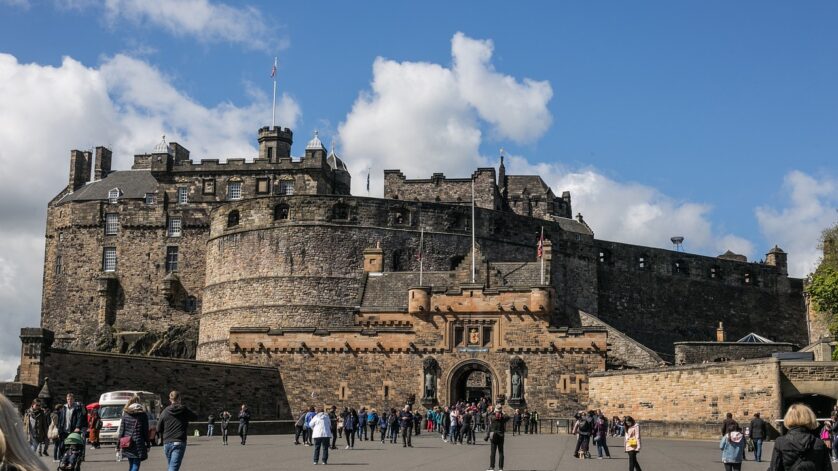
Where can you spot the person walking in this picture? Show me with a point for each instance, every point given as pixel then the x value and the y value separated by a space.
pixel 417 422
pixel 350 423
pixel 372 422
pixel 516 422
pixel 35 426
pixel 70 420
pixel 362 424
pixel 299 427
pixel 534 422
pixel 632 443
pixel 494 435
pixel 244 423
pixel 728 424
pixel 321 432
pixel 406 426
pixel 306 427
pixel 600 434
pixel 733 450
pixel 15 454
pixel 525 420
pixel 225 422
pixel 210 424
pixel 834 431
pixel 54 434
pixel 382 425
pixel 133 436
pixel 333 423
pixel 393 426
pixel 759 432
pixel 172 425
pixel 94 425
pixel 800 448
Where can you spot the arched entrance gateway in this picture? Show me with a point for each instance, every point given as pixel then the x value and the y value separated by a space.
pixel 471 381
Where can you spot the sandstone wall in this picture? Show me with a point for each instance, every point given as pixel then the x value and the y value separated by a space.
pixel 691 394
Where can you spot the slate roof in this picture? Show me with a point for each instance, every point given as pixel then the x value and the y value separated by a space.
pixel 533 183
pixel 388 290
pixel 518 274
pixel 133 184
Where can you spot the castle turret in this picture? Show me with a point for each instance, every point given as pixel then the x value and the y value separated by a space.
pixel 502 179
pixel 79 169
pixel 315 150
pixel 777 258
pixel 275 143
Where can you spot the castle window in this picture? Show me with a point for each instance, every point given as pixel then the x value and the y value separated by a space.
pixel 487 336
pixel 643 262
pixel 113 196
pixel 340 211
pixel 209 186
pixel 60 237
pixel 604 256
pixel 386 391
pixel 150 199
pixel 234 191
pixel 459 336
pixel 715 272
pixel 171 259
pixel 233 218
pixel 182 195
pixel 397 260
pixel 109 259
pixel 286 187
pixel 174 229
pixel 400 217
pixel 263 186
pixel 190 304
pixel 680 267
pixel 111 223
pixel 58 265
pixel 280 212
pixel 748 278
pixel 270 154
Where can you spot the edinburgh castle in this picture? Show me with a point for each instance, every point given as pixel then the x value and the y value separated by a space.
pixel 441 290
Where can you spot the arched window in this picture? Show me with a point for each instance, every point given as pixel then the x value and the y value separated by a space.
pixel 680 267
pixel 233 218
pixel 281 212
pixel 400 217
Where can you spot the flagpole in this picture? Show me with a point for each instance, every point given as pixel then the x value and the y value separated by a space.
pixel 473 254
pixel 273 112
pixel 421 255
pixel 541 243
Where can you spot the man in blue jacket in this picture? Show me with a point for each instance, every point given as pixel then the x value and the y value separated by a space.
pixel 70 419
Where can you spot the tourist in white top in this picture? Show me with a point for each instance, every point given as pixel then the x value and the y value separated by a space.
pixel 321 432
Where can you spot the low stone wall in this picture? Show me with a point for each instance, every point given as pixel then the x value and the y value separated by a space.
pixel 206 387
pixel 706 352
pixel 691 394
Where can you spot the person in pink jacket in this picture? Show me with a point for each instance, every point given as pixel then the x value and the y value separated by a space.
pixel 632 441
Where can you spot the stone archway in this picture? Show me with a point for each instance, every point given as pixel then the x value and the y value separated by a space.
pixel 472 380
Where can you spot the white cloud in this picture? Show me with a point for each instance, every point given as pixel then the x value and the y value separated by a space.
pixel 420 116
pixel 797 227
pixel 203 19
pixel 22 4
pixel 126 104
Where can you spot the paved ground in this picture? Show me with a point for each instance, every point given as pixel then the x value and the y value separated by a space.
pixel 527 453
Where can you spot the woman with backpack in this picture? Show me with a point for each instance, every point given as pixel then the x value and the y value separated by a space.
pixel 372 421
pixel 800 449
pixel 632 442
pixel 733 449
pixel 382 425
pixel 133 439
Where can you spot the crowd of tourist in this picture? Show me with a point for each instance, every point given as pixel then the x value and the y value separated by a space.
pixel 807 445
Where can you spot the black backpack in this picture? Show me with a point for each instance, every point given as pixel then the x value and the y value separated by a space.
pixel 584 427
pixel 804 461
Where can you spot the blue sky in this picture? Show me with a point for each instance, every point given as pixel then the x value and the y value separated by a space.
pixel 717 120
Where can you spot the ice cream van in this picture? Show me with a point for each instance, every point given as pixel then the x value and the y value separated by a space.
pixel 110 411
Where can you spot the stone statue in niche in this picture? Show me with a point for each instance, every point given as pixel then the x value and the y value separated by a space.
pixel 430 367
pixel 516 368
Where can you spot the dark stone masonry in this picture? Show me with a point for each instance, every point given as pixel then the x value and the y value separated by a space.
pixel 271 263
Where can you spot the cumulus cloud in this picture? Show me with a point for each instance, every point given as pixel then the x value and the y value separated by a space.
pixel 422 116
pixel 797 227
pixel 204 20
pixel 126 104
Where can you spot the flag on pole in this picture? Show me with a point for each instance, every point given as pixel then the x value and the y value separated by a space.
pixel 540 251
pixel 368 180
pixel 273 69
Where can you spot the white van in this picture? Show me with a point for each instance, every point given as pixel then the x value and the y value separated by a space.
pixel 110 411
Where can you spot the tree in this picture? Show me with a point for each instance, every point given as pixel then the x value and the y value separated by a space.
pixel 822 287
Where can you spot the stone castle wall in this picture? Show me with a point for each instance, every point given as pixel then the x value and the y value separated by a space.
pixel 659 305
pixel 703 352
pixel 688 396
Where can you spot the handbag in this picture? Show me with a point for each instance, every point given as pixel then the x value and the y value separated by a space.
pixel 52 432
pixel 632 442
pixel 126 441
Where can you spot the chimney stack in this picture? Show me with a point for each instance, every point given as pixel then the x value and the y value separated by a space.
pixel 79 169
pixel 103 163
pixel 720 333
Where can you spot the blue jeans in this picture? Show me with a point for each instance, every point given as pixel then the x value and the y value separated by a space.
pixel 134 464
pixel 174 454
pixel 210 429
pixel 758 449
pixel 324 443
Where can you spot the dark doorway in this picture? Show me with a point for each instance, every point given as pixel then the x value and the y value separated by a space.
pixel 821 405
pixel 471 383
